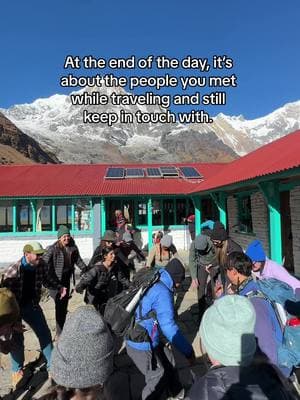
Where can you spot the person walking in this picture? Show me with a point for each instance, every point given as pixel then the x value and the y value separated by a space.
pixel 61 258
pixel 25 279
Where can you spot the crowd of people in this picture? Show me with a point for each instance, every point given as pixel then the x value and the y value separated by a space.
pixel 239 330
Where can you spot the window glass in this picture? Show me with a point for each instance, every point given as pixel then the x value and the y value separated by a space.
pixel 168 210
pixel 24 217
pixel 83 214
pixel 156 212
pixel 6 216
pixel 245 214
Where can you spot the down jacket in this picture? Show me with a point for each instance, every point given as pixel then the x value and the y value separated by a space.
pixel 255 382
pixel 160 300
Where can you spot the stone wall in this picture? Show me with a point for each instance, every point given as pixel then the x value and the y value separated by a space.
pixel 295 218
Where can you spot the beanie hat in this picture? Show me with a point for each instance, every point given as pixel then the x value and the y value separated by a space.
pixel 219 232
pixel 109 236
pixel 166 241
pixel 255 251
pixel 201 242
pixel 33 247
pixel 83 356
pixel 9 308
pixel 176 270
pixel 227 330
pixel 62 230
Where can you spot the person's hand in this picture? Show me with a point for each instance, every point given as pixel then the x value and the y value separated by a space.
pixel 208 267
pixel 62 292
pixel 218 289
pixel 195 283
pixel 230 289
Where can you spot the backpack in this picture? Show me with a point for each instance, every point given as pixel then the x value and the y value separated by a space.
pixel 119 311
pixel 277 293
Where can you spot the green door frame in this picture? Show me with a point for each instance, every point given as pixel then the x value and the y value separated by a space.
pixel 220 199
pixel 271 194
pixel 197 204
pixel 149 222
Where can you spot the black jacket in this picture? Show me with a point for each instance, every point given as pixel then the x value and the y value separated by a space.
pixel 256 382
pixel 55 259
pixel 102 284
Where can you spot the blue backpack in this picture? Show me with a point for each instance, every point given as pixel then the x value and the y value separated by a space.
pixel 276 293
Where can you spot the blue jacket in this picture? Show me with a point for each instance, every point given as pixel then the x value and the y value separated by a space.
pixel 160 299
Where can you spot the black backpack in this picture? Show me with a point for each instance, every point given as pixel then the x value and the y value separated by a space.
pixel 119 311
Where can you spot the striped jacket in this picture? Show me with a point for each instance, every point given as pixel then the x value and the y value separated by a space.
pixel 13 279
pixel 54 258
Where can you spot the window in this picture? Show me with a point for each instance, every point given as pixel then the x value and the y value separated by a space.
pixel 83 214
pixel 6 216
pixel 245 215
pixel 64 213
pixel 181 211
pixel 142 213
pixel 43 215
pixel 24 217
pixel 156 212
pixel 168 209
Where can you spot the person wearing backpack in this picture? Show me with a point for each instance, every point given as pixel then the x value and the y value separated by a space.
pixel 155 314
pixel 267 327
pixel 265 268
pixel 103 281
pixel 227 337
pixel 202 255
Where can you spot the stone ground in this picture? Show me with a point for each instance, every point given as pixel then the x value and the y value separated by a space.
pixel 126 375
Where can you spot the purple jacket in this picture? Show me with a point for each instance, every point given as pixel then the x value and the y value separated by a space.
pixel 274 270
pixel 267 330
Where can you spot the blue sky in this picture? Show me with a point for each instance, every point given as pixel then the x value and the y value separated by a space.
pixel 262 37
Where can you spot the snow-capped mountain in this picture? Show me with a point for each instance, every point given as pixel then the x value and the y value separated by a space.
pixel 58 126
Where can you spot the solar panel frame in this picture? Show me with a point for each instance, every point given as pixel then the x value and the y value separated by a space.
pixel 135 173
pixel 154 172
pixel 190 173
pixel 114 173
pixel 169 171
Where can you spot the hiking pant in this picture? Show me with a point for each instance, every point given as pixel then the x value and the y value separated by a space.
pixel 158 368
pixel 61 306
pixel 202 275
pixel 34 317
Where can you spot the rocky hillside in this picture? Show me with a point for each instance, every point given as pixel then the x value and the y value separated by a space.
pixel 18 148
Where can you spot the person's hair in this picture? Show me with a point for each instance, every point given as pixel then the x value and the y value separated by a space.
pixel 221 253
pixel 241 262
pixel 105 251
pixel 62 393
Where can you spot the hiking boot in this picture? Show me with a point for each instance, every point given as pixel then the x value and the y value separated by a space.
pixel 16 377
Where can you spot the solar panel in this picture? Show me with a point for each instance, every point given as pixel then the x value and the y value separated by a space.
pixel 190 172
pixel 134 173
pixel 154 172
pixel 169 171
pixel 115 173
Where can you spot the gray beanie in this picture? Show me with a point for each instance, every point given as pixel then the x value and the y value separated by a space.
pixel 227 330
pixel 201 242
pixel 83 356
pixel 166 241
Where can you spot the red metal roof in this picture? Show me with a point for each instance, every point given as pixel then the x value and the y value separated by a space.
pixel 37 180
pixel 277 156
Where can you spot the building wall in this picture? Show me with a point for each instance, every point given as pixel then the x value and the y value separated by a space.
pixel 11 249
pixel 295 218
pixel 259 220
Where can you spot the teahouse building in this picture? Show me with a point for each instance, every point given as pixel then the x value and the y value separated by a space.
pixel 256 196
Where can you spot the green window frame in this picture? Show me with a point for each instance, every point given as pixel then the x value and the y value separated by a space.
pixel 28 217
